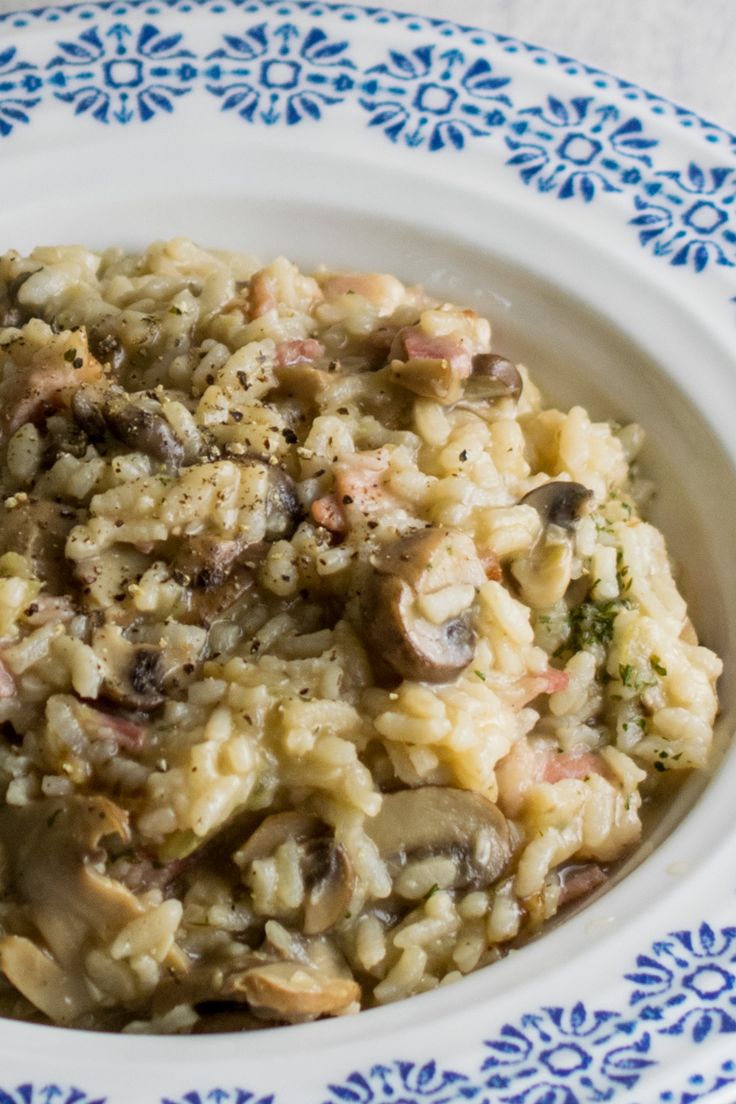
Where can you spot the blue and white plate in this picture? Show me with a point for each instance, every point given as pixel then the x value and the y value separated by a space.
pixel 595 223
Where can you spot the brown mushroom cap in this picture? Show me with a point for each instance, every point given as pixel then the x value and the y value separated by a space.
pixel 436 820
pixel 414 647
pixel 493 377
pixel 275 830
pixel 544 574
pixel 328 874
pixel 211 604
pixel 559 502
pixel 101 407
pixel 283 510
pixel 143 430
pixel 403 570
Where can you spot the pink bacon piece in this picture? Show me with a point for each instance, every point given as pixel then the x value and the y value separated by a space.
pixel 358 484
pixel 417 345
pixel 550 681
pixel 572 764
pixel 128 735
pixel 299 351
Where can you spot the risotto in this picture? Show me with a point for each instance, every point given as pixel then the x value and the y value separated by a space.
pixel 332 663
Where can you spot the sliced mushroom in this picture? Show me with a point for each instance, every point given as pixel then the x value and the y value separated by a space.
pixel 211 604
pixel 50 847
pixel 493 377
pixel 134 673
pixel 559 502
pixel 544 574
pixel 38 529
pixel 143 430
pixel 61 996
pixel 88 409
pixel 206 560
pixel 293 991
pixel 101 407
pixel 107 348
pixel 439 821
pixel 432 378
pixel 412 578
pixel 283 511
pixel 275 830
pixel 326 869
pixel 303 381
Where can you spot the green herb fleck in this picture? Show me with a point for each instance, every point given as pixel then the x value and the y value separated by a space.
pixel 627 675
pixel 431 892
pixel 480 675
pixel 657 666
pixel 70 355
pixel 592 623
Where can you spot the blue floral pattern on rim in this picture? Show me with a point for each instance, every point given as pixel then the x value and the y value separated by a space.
pixel 289 71
pixel 18 84
pixel 433 97
pixel 686 985
pixel 281 73
pixel 118 74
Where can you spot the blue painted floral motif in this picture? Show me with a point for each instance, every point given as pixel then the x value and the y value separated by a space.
pixel 48 1094
pixel 404 1083
pixel 18 83
pixel 219 1096
pixel 580 1056
pixel 690 224
pixel 118 74
pixel 287 72
pixel 436 95
pixel 433 98
pixel 687 985
pixel 578 148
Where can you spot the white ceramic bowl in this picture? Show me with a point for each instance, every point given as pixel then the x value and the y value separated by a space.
pixel 593 222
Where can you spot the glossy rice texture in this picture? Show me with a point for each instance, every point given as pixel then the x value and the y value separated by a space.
pixel 332 662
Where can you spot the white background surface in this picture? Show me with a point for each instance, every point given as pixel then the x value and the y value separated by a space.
pixel 683 49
